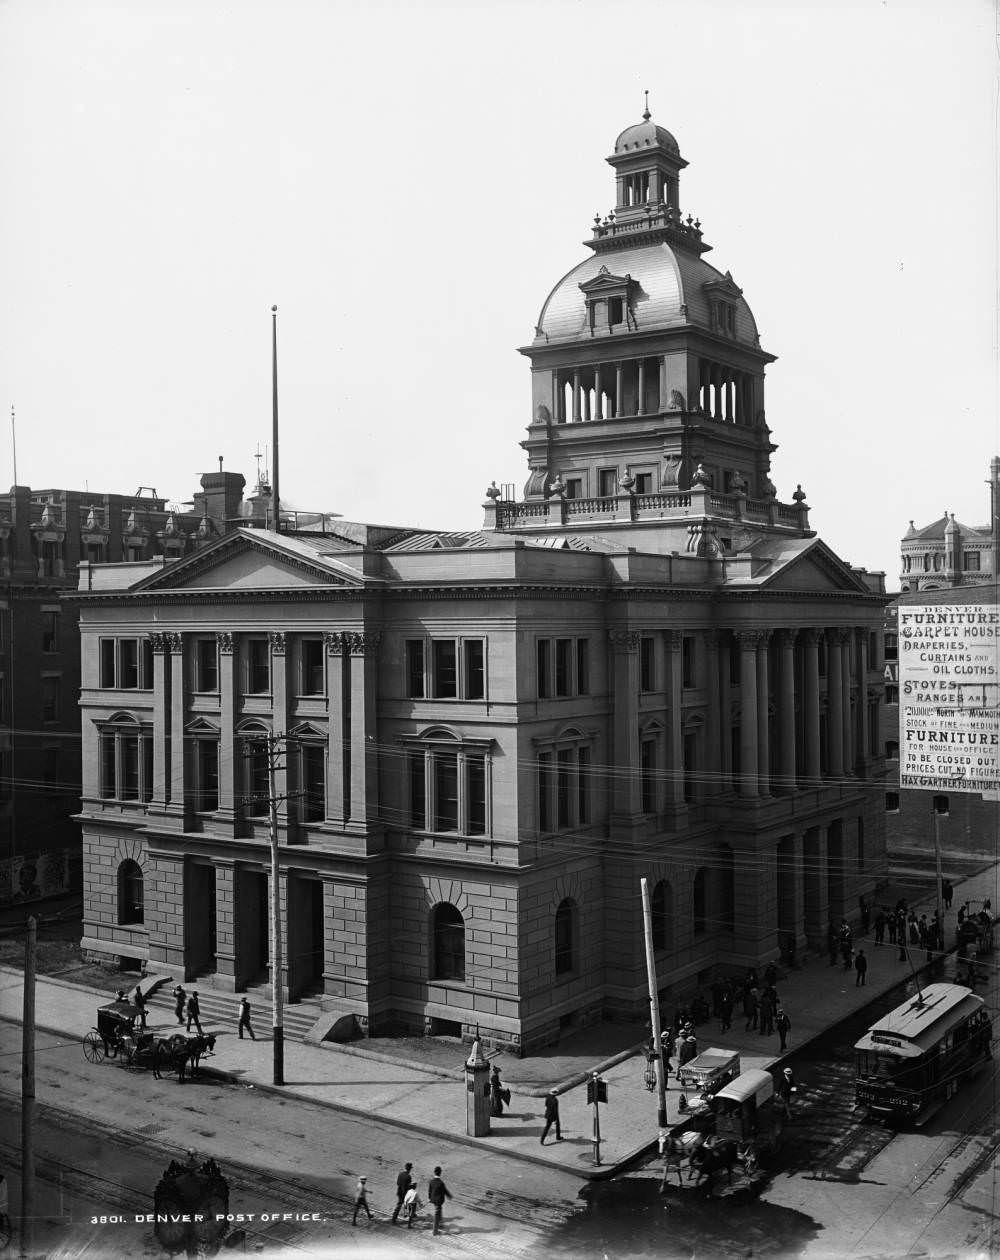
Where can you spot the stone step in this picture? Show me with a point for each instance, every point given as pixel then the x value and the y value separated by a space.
pixel 219 1008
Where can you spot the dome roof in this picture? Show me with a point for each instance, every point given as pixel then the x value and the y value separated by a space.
pixel 646 135
pixel 669 290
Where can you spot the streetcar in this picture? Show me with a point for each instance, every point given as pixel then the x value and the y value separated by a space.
pixel 918 1054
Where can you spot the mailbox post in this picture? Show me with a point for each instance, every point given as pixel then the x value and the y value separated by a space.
pixel 477 1092
pixel 597 1093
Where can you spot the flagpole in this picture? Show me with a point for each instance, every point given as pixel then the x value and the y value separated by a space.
pixel 276 518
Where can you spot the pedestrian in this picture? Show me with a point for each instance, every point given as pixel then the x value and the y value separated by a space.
pixel 194 1011
pixel 879 928
pixel 245 1019
pixel 726 1009
pixel 679 1050
pixel 688 1052
pixel 665 1044
pixel 498 1094
pixel 784 1026
pixel 751 1008
pixel 552 1115
pixel 404 1182
pixel 411 1205
pixel 861 967
pixel 140 1005
pixel 784 1089
pixel 361 1200
pixel 180 1002
pixel 437 1192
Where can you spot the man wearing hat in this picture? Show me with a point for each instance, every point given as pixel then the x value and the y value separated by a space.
pixel 785 1088
pixel 361 1199
pixel 551 1116
pixel 784 1026
pixel 194 1011
pixel 180 1001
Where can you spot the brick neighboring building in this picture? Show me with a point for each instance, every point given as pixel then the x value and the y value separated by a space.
pixel 649 666
pixel 45 535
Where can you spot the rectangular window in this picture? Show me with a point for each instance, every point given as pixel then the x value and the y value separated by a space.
pixel 687 661
pixel 107 662
pixel 313 782
pixel 415 668
pixel 476 795
pixel 418 790
pixel 474 651
pixel 892 802
pixel 311 678
pixel 207 791
pixel 51 694
pixel 146 780
pixel 891 647
pixel 583 785
pixel 135 552
pixel 50 632
pixel 108 785
pixel 257 802
pixel 445 791
pixel 564 787
pixel 564 667
pixel 647 664
pixel 207 665
pixel 51 559
pixel 95 553
pixel 258 667
pixel 647 763
pixel 892 695
pixel 607 482
pixel 128 748
pixel 970 561
pixel 643 483
pixel 544 682
pixel 445 680
pixel 545 792
pixel 128 664
pixel 690 766
pixel 582 667
pixel 146 672
pixel 574 488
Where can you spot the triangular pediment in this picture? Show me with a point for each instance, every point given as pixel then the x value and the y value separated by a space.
pixel 253 560
pixel 816 568
pixel 605 280
pixel 724 287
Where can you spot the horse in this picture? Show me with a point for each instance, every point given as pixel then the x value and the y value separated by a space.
pixel 675 1151
pixel 179 1051
pixel 711 1157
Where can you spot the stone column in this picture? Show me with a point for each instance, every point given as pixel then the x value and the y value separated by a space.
pixel 598 399
pixel 338 745
pixel 864 745
pixel 727 646
pixel 640 409
pixel 816 897
pixel 626 801
pixel 763 716
pixel 845 700
pixel 675 750
pixel 835 702
pixel 576 396
pixel 748 640
pixel 175 643
pixel 810 703
pixel 160 644
pixel 619 389
pixel 279 720
pixel 363 647
pixel 713 724
pixel 225 921
pixel 786 710
pixel 228 695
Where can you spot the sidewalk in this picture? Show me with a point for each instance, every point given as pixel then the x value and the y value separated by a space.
pixel 412 1096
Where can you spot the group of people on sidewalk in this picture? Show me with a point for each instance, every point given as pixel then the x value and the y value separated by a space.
pixel 408 1201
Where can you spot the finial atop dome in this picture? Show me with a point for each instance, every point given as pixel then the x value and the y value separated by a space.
pixel 647 115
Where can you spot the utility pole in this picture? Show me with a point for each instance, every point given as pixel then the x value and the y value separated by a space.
pixel 28 1090
pixel 938 811
pixel 654 1005
pixel 276 525
pixel 272 748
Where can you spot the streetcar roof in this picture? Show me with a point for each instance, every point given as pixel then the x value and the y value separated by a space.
pixel 753 1083
pixel 916 1025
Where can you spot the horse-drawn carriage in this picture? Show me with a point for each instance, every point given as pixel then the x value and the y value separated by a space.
pixel 734 1125
pixel 115 1037
pixel 974 935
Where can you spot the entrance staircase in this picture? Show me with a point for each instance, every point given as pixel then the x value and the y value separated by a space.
pixel 220 1011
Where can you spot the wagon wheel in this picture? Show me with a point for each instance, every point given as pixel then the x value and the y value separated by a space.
pixel 751 1159
pixel 93 1047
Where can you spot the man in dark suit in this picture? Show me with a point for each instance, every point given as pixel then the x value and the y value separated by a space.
pixel 437 1192
pixel 403 1182
pixel 194 1011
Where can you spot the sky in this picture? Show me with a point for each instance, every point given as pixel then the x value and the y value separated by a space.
pixel 407 182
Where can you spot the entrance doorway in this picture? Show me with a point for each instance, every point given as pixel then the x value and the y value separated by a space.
pixel 199 918
pixel 305 935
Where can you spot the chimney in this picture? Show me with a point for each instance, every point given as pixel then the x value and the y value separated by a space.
pixel 220 498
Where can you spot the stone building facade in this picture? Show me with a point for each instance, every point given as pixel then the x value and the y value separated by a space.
pixel 648 666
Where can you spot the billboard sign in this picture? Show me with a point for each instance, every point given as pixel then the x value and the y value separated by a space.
pixel 949 697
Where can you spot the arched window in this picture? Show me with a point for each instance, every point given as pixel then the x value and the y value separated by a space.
pixel 565 925
pixel 449 943
pixel 130 895
pixel 660 906
pixel 700 900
